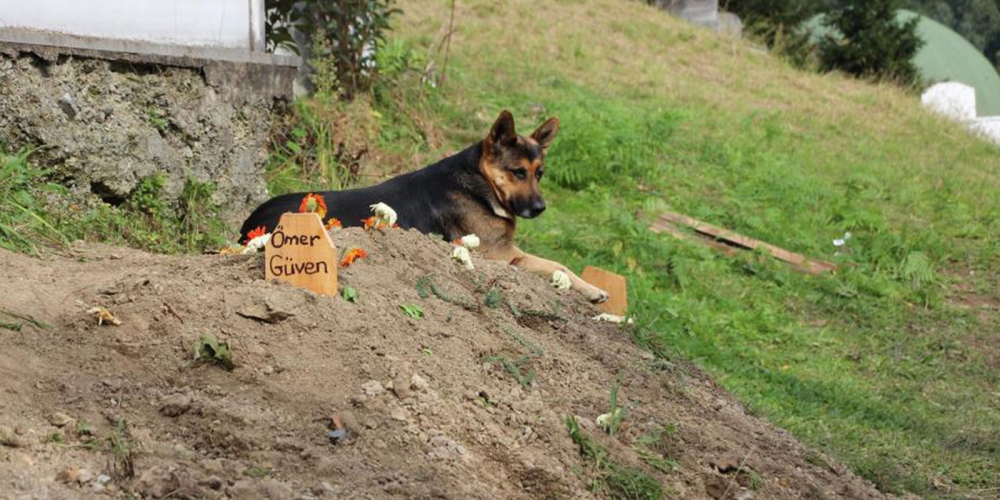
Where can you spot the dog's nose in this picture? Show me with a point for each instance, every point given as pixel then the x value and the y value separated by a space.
pixel 537 207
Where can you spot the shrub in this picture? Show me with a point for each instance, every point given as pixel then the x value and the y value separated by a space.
pixel 870 43
pixel 339 38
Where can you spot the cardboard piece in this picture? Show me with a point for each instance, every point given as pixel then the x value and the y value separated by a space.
pixel 301 252
pixel 612 283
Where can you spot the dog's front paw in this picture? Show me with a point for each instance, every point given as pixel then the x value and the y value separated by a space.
pixel 598 296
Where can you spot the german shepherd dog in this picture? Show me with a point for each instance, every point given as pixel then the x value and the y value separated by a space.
pixel 481 190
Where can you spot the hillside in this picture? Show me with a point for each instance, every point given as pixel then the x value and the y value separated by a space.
pixel 889 364
pixel 468 401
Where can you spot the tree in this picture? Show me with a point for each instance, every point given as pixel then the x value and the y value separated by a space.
pixel 867 41
pixel 776 23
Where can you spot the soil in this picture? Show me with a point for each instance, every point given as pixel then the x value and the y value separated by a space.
pixel 467 402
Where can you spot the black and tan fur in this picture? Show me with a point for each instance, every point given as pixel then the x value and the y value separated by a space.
pixel 481 190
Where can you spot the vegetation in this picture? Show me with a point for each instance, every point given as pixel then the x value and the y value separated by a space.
pixel 870 42
pixel 612 479
pixel 36 212
pixel 339 37
pixel 889 364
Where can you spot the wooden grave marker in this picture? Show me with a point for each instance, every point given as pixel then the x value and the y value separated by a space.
pixel 301 252
pixel 612 283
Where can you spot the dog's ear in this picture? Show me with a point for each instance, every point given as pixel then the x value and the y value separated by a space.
pixel 503 130
pixel 546 132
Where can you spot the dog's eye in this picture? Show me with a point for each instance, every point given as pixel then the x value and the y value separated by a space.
pixel 538 174
pixel 521 174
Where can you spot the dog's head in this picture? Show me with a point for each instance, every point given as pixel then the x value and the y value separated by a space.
pixel 513 166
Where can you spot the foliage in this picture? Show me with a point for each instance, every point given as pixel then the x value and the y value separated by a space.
pixel 412 310
pixel 349 294
pixel 777 23
pixel 614 480
pixel 870 42
pixel 208 348
pixel 343 36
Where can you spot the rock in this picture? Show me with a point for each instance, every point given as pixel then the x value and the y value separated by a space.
pixel 68 106
pixel 274 306
pixel 157 481
pixel 401 387
pixel 372 388
pixel 213 482
pixel 418 383
pixel 13 441
pixel 398 414
pixel 60 419
pixel 268 489
pixel 69 476
pixel 176 405
pixel 350 421
pixel 726 464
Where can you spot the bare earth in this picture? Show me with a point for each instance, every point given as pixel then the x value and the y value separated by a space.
pixel 429 407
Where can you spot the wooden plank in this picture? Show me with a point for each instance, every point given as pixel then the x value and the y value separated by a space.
pixel 301 252
pixel 663 226
pixel 612 283
pixel 668 222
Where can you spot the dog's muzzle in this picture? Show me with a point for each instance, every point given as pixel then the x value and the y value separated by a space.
pixel 534 210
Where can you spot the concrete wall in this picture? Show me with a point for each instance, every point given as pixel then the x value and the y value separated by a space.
pixel 231 24
pixel 958 102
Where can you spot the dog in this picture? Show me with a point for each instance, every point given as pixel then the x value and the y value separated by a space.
pixel 480 190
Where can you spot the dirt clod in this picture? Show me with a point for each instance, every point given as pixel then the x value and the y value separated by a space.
pixel 176 405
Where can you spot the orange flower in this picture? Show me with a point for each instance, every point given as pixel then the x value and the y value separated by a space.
pixel 333 223
pixel 377 223
pixel 260 231
pixel 313 203
pixel 351 256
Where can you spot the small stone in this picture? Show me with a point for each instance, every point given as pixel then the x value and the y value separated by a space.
pixel 176 405
pixel 372 388
pixel 12 442
pixel 60 419
pixel 69 476
pixel 350 421
pixel 401 387
pixel 103 479
pixel 267 370
pixel 418 383
pixel 398 414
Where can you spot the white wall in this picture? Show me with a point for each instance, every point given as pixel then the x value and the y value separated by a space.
pixel 958 102
pixel 233 24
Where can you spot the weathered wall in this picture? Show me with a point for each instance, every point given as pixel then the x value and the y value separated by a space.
pixel 105 125
pixel 235 24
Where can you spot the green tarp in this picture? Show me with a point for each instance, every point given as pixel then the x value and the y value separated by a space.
pixel 945 57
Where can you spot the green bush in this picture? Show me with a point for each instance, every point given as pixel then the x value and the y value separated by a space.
pixel 870 43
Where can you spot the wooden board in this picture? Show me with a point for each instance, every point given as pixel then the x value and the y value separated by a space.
pixel 612 283
pixel 301 252
pixel 667 221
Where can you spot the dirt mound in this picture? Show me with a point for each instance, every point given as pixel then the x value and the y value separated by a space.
pixel 468 401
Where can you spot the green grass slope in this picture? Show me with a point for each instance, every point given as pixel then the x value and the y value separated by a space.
pixel 891 364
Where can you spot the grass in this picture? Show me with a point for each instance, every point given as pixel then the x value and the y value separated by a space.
pixel 611 479
pixel 876 365
pixel 36 213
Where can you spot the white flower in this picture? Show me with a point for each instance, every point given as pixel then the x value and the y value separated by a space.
pixel 560 280
pixel 469 241
pixel 254 245
pixel 604 420
pixel 384 212
pixel 462 256
pixel 847 235
pixel 838 242
pixel 611 318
